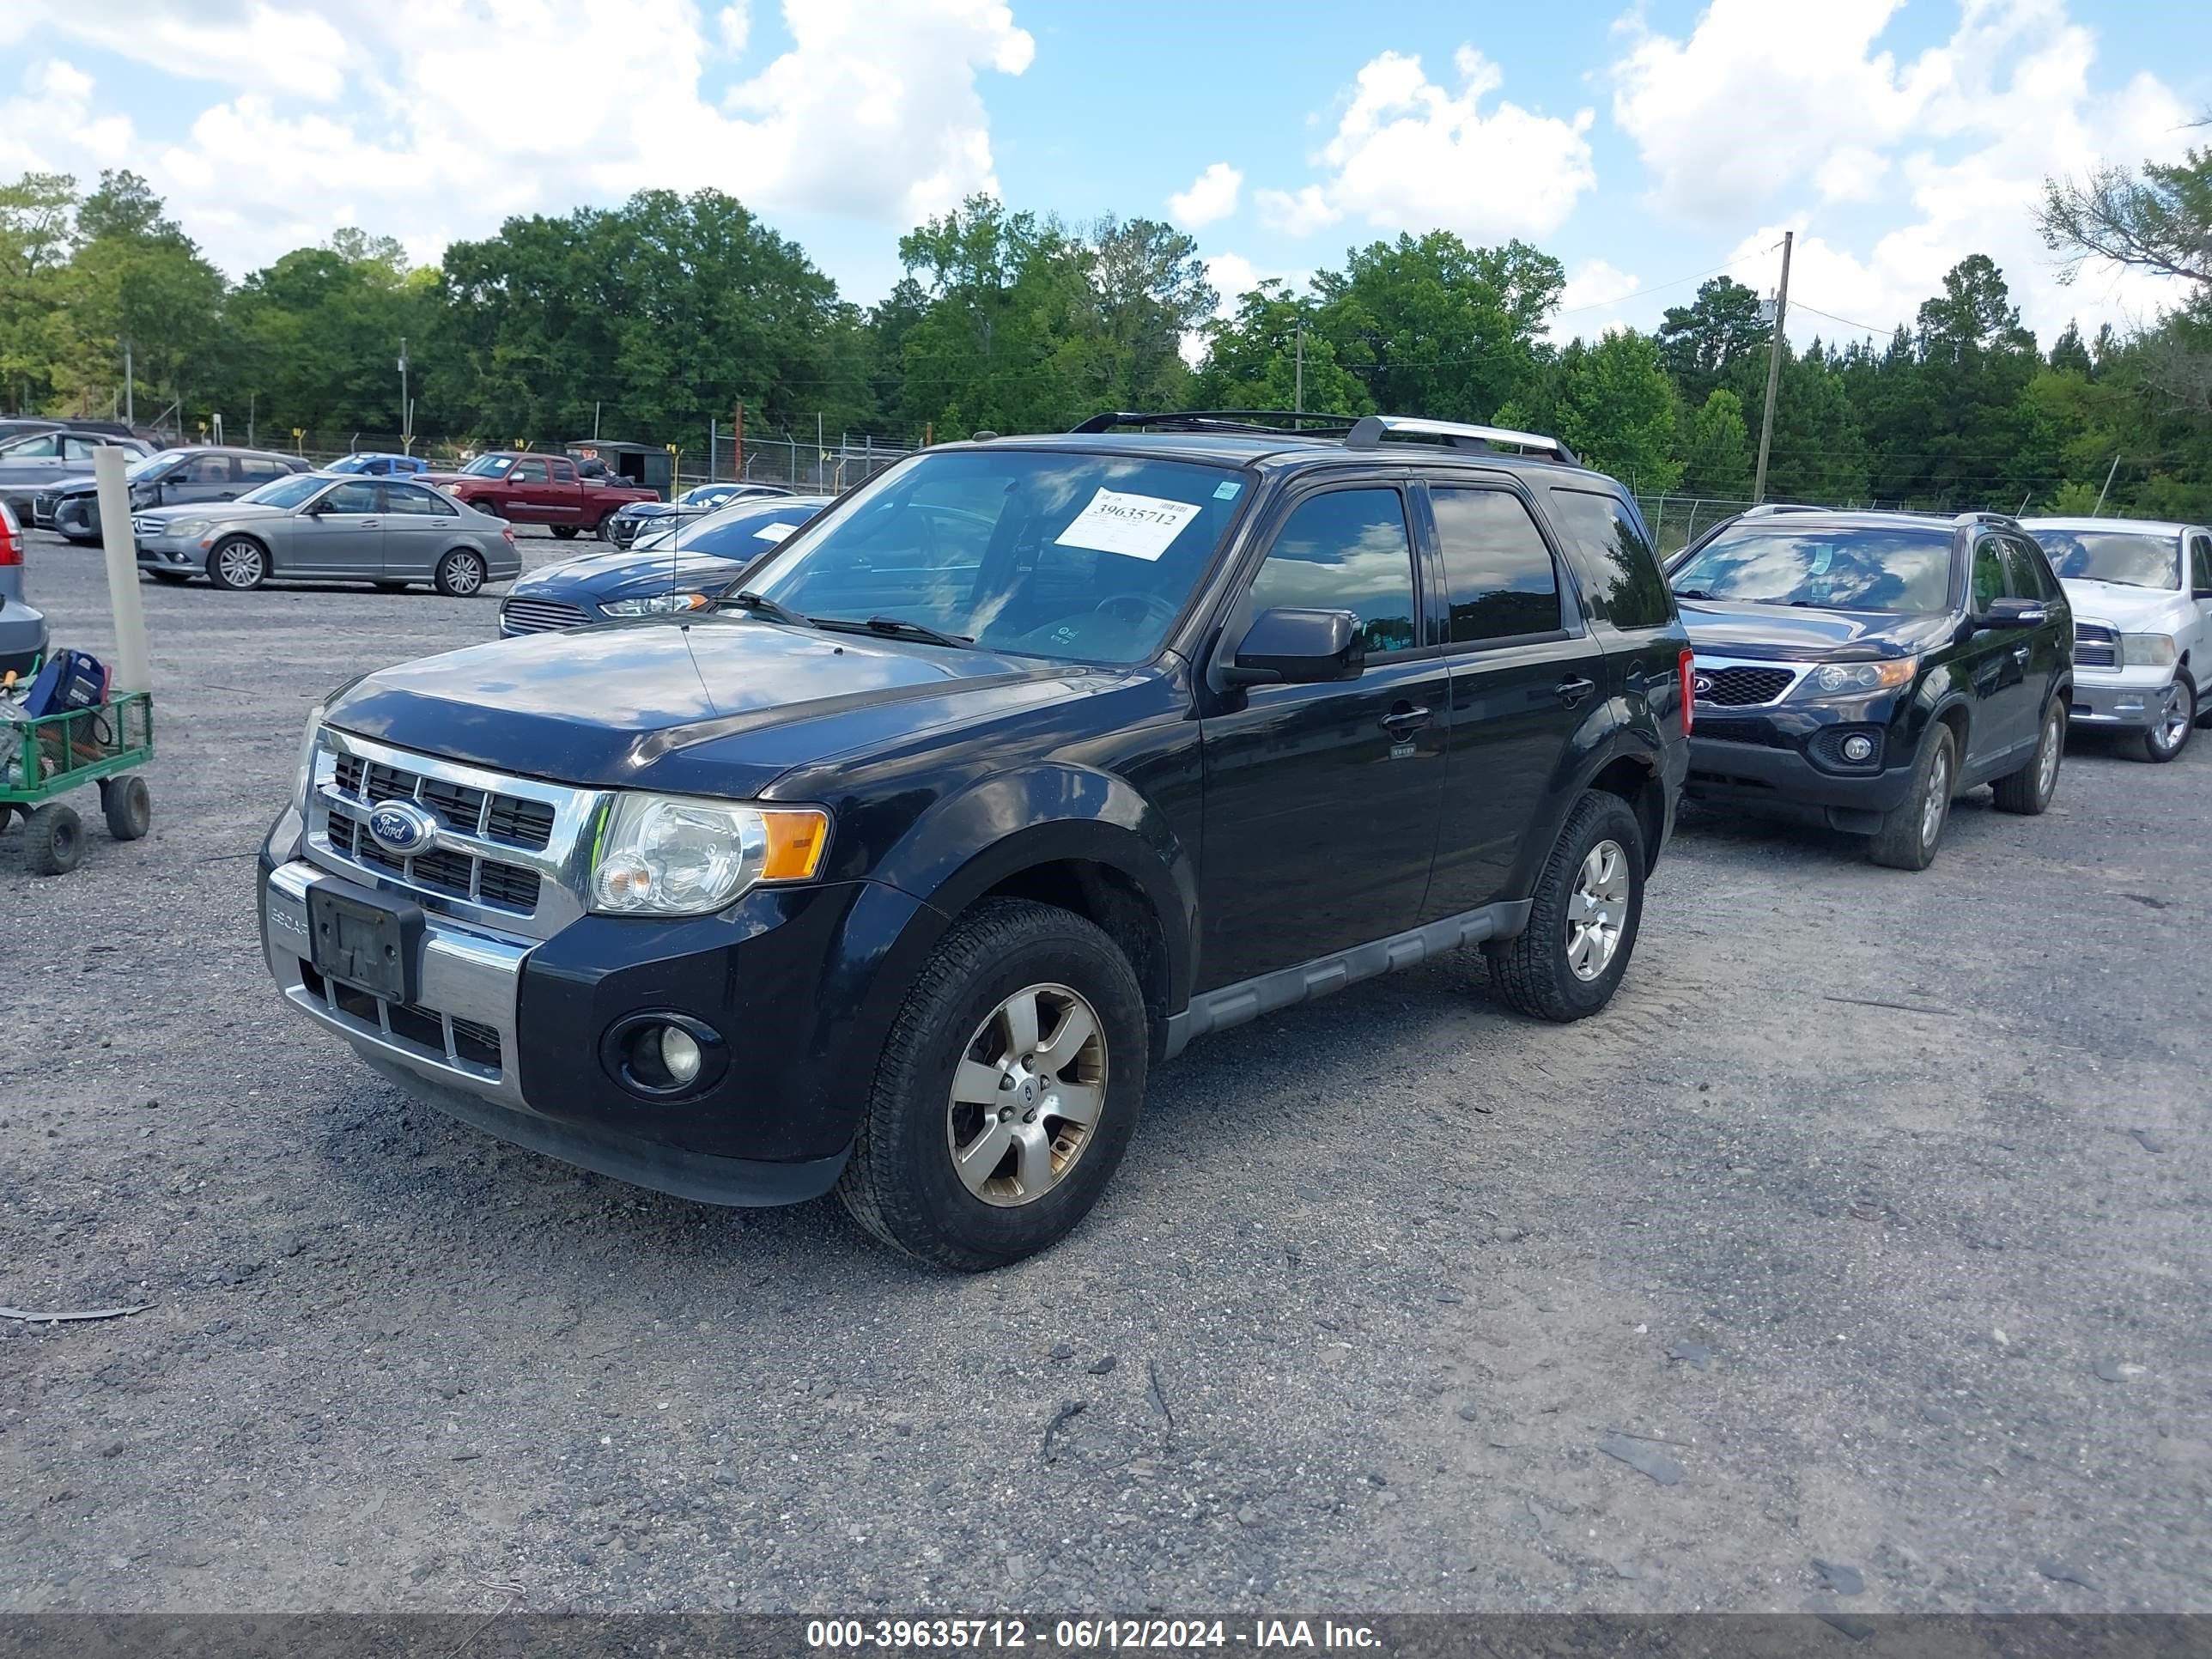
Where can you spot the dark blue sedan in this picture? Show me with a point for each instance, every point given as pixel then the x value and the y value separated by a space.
pixel 638 520
pixel 683 570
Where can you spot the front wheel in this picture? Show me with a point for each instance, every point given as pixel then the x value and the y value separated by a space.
pixel 1912 831
pixel 1581 928
pixel 1007 1092
pixel 127 807
pixel 567 532
pixel 238 564
pixel 460 574
pixel 2176 718
pixel 53 840
pixel 2029 790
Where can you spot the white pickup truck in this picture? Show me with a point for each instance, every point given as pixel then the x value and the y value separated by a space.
pixel 2141 594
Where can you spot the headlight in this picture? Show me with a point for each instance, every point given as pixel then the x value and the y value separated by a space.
pixel 191 529
pixel 2146 650
pixel 676 855
pixel 1855 679
pixel 660 604
pixel 304 773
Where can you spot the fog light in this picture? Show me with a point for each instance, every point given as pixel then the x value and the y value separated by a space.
pixel 1858 750
pixel 679 1053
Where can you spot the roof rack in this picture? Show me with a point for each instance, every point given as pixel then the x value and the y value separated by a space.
pixel 1761 509
pixel 1369 430
pixel 1265 423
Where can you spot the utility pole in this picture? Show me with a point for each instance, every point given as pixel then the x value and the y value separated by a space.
pixel 1298 401
pixel 406 409
pixel 130 392
pixel 737 445
pixel 1773 371
pixel 2100 508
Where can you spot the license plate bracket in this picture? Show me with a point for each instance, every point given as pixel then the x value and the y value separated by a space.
pixel 361 940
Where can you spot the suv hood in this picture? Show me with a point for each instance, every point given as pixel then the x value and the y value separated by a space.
pixel 718 706
pixel 1781 632
pixel 604 576
pixel 2129 609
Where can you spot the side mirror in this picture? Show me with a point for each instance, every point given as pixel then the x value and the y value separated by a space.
pixel 1287 646
pixel 2015 613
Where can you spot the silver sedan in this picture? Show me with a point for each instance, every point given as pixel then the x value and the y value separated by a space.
pixel 326 525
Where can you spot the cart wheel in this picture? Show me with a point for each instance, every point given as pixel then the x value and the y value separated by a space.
pixel 6 815
pixel 129 808
pixel 53 840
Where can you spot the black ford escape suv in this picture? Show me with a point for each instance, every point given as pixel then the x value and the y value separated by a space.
pixel 1861 670
pixel 1027 762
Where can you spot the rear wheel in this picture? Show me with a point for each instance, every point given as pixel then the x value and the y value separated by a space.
pixel 2029 790
pixel 460 574
pixel 127 807
pixel 1912 831
pixel 2176 718
pixel 53 840
pixel 238 563
pixel 1007 1092
pixel 1581 928
pixel 567 532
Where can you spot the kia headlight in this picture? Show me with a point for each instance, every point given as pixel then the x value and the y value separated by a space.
pixel 658 604
pixel 678 855
pixel 1858 679
pixel 2147 650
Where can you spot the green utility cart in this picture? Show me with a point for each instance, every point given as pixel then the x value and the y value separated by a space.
pixel 44 758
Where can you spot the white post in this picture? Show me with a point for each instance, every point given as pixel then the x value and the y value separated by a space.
pixel 132 672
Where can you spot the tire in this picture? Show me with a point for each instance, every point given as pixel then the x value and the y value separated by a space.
pixel 389 587
pixel 1563 965
pixel 127 807
pixel 2029 790
pixel 567 532
pixel 2176 719
pixel 173 578
pixel 902 1184
pixel 53 840
pixel 239 563
pixel 460 574
pixel 1911 831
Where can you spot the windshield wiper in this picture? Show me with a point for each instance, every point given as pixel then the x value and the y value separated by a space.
pixel 766 607
pixel 896 627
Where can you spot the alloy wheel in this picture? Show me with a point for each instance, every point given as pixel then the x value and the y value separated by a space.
pixel 2170 731
pixel 2046 756
pixel 463 573
pixel 240 563
pixel 1597 910
pixel 1026 1095
pixel 1937 802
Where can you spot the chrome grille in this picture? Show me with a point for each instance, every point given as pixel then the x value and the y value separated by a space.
pixel 143 527
pixel 42 507
pixel 527 616
pixel 450 1039
pixel 509 852
pixel 2095 646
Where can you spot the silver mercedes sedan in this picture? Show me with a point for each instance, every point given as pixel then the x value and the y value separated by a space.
pixel 323 525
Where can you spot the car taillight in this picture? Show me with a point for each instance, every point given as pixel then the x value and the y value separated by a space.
pixel 1686 670
pixel 11 544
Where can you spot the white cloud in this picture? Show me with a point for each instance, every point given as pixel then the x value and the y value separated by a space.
pixel 450 117
pixel 50 126
pixel 1409 154
pixel 1589 303
pixel 1212 195
pixel 247 43
pixel 1961 140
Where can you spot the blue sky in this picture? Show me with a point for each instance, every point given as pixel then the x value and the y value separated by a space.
pixel 1641 146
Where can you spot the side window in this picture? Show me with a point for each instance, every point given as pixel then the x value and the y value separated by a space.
pixel 527 472
pixel 1989 581
pixel 255 470
pixel 2200 565
pixel 356 495
pixel 78 449
pixel 1346 550
pixel 1497 569
pixel 1605 538
pixel 2024 577
pixel 563 472
pixel 417 502
pixel 208 469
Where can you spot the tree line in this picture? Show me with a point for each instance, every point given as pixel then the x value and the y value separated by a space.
pixel 648 319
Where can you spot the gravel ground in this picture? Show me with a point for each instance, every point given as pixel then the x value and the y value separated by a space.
pixel 1868 1227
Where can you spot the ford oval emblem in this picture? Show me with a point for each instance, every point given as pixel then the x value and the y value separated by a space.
pixel 400 826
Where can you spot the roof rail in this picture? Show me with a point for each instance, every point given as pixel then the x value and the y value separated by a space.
pixel 1266 423
pixel 1760 509
pixel 1369 430
pixel 1985 515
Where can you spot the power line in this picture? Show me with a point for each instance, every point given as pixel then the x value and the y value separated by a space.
pixel 1862 327
pixel 1676 282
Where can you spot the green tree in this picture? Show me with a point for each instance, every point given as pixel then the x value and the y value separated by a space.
pixel 140 280
pixel 1716 448
pixel 1252 360
pixel 1701 342
pixel 37 233
pixel 1616 410
pixel 2157 219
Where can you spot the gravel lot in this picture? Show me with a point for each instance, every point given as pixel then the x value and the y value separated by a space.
pixel 1876 1206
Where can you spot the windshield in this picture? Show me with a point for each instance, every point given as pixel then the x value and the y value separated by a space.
pixel 2129 557
pixel 31 447
pixel 1031 551
pixel 489 467
pixel 351 463
pixel 286 491
pixel 155 463
pixel 705 495
pixel 1902 570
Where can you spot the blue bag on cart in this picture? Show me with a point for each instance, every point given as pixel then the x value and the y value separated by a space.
pixel 71 679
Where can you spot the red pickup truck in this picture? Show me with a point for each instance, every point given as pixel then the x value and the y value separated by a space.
pixel 546 490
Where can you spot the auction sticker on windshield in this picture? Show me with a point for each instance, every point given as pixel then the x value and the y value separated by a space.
pixel 774 533
pixel 1137 526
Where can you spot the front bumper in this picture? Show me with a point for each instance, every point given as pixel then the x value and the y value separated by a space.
pixel 169 553
pixel 506 1032
pixel 1781 782
pixel 2119 698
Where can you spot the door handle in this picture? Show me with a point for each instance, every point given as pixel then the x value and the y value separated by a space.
pixel 1405 720
pixel 1573 691
pixel 2019 654
pixel 369 524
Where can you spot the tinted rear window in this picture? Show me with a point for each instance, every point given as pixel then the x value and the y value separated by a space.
pixel 1497 567
pixel 1605 539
